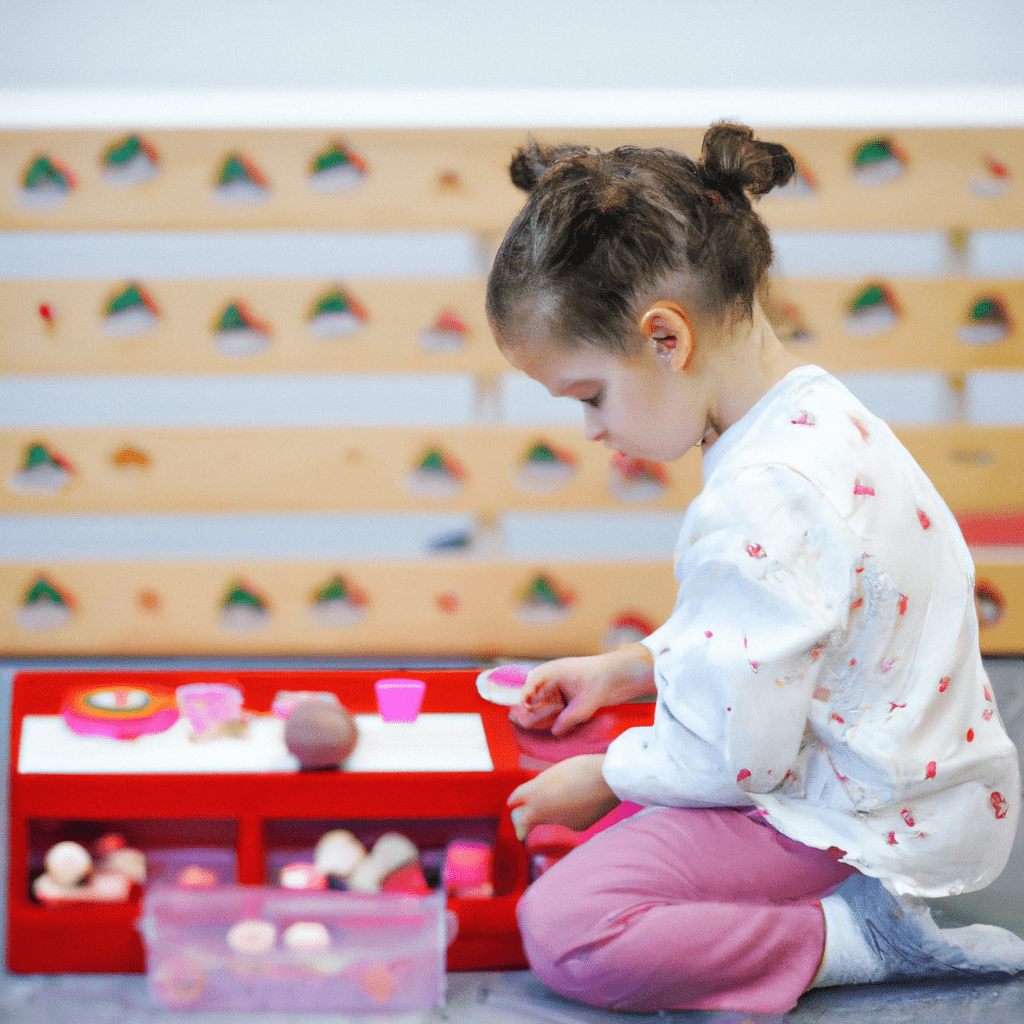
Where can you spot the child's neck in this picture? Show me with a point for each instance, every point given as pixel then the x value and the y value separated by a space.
pixel 746 367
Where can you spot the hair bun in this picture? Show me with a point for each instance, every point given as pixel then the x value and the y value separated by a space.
pixel 733 161
pixel 531 162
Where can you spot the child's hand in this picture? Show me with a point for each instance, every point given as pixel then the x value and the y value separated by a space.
pixel 561 694
pixel 572 793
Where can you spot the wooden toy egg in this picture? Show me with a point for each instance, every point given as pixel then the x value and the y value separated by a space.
pixel 68 863
pixel 319 734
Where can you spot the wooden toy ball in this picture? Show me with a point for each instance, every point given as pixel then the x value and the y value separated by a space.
pixel 320 734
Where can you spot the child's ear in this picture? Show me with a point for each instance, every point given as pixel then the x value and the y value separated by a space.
pixel 668 327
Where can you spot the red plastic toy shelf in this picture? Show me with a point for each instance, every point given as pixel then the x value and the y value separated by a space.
pixel 253 815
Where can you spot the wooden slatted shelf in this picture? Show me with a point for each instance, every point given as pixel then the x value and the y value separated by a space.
pixel 457 178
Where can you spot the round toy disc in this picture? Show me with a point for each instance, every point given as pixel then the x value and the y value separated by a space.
pixel 504 683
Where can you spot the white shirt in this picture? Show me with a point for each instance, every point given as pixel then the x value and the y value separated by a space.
pixel 822 660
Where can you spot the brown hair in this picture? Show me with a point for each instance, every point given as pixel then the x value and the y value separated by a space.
pixel 599 228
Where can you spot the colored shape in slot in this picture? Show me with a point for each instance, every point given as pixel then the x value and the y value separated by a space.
pixel 130 311
pixel 239 335
pixel 242 610
pixel 45 606
pixel 46 183
pixel 436 475
pixel 989 603
pixel 240 182
pixel 636 480
pixel 546 468
pixel 130 458
pixel 457 540
pixel 878 160
pixel 803 186
pixel 544 602
pixel 337 603
pixel 130 161
pixel 43 471
pixel 987 323
pixel 789 324
pixel 337 315
pixel 447 334
pixel 628 628
pixel 48 314
pixel 993 179
pixel 873 310
pixel 337 169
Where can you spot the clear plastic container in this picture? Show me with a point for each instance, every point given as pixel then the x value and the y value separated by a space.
pixel 351 952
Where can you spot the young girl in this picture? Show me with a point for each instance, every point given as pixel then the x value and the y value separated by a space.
pixel 825 743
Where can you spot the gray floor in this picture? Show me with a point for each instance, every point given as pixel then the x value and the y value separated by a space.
pixel 484 997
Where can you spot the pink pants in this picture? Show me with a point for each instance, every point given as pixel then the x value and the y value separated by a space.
pixel 682 909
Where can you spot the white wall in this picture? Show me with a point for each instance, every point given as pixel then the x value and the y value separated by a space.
pixel 542 43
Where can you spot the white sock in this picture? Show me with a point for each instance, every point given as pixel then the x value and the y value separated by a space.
pixel 873 935
pixel 848 959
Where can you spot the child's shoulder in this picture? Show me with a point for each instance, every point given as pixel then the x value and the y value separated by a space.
pixel 813 425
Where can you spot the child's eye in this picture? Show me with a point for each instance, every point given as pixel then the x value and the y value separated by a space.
pixel 594 400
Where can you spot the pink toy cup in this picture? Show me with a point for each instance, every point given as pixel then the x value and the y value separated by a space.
pixel 207 705
pixel 399 700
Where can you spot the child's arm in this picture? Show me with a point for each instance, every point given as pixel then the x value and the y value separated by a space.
pixel 572 793
pixel 560 694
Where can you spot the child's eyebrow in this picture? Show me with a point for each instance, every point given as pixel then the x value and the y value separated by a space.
pixel 563 387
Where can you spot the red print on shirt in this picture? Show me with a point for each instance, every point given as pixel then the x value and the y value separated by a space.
pixel 999 804
pixel 943 683
pixel 863 489
pixel 756 551
pixel 925 521
pixel 929 772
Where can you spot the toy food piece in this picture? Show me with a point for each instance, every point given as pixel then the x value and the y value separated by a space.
pixel 391 852
pixel 101 887
pixel 307 937
pixel 251 936
pixel 320 734
pixel 128 862
pixel 337 853
pixel 67 863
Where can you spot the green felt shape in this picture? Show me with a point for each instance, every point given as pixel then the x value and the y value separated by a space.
pixel 124 151
pixel 43 172
pixel 132 296
pixel 988 311
pixel 337 156
pixel 43 591
pixel 233 319
pixel 873 152
pixel 541 452
pixel 238 595
pixel 542 592
pixel 236 169
pixel 334 590
pixel 37 455
pixel 872 296
pixel 435 462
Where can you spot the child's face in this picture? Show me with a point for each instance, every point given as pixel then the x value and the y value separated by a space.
pixel 636 404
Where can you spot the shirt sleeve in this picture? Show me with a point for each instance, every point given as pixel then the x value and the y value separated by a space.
pixel 765 567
